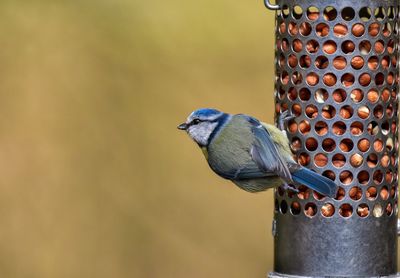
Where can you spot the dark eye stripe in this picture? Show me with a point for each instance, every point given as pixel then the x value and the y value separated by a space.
pixel 195 122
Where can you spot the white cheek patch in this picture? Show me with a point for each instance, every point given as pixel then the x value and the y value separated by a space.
pixel 201 132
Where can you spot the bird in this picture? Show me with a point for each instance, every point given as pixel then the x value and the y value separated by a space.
pixel 253 155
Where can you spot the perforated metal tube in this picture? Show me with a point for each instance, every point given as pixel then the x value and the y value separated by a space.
pixel 337 71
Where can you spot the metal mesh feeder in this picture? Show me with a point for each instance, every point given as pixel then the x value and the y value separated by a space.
pixel 337 71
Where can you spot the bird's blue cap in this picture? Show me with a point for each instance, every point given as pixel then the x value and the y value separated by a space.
pixel 205 113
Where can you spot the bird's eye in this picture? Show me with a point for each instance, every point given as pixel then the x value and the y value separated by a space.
pixel 196 121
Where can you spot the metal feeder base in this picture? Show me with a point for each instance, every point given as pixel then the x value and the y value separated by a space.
pixel 279 275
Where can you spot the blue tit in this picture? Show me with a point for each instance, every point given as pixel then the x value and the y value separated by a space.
pixel 253 155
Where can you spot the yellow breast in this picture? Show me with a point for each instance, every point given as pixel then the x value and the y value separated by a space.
pixel 205 152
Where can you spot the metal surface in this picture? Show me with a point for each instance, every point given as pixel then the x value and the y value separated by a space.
pixel 360 238
pixel 278 275
pixel 270 6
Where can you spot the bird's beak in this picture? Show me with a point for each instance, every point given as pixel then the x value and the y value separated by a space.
pixel 182 126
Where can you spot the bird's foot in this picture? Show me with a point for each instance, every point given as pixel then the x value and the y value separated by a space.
pixel 290 187
pixel 284 118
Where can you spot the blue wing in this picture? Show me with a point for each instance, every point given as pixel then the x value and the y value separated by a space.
pixel 315 181
pixel 265 153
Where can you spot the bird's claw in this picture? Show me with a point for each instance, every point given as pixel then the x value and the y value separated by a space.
pixel 284 117
pixel 290 187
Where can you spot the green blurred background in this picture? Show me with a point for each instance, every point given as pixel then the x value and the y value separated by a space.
pixel 96 181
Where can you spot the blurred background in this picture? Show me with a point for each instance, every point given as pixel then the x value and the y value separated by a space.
pixel 96 181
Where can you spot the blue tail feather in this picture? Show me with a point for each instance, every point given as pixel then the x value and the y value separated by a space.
pixel 315 181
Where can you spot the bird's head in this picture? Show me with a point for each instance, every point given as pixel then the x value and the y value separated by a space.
pixel 202 124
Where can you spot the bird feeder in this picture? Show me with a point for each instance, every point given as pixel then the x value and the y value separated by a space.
pixel 337 71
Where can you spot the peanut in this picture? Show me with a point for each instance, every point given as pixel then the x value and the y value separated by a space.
pixel 378 146
pixel 339 63
pixel 329 79
pixel 297 45
pixel 363 177
pixel 378 112
pixel 347 79
pixel 322 30
pixel 357 62
pixel 327 210
pixel 346 145
pixel 371 163
pixel 340 30
pixel 293 127
pixel 345 113
pixel 285 45
pixel 346 210
pixel 394 61
pixel 389 177
pixel 292 61
pixel 373 63
pixel 303 159
pixel 277 108
pixel 339 129
pixel 390 47
pixel 355 193
pixel 373 96
pixel 304 127
pixel 371 193
pixel 363 112
pixel 305 61
pixel 320 160
pixel 318 196
pixel 305 29
pixel 296 109
pixel 379 47
pixel 373 29
pixel 362 211
pixel 340 194
pixel 386 31
pixel 311 144
pixel 390 79
pixel 304 192
pixel 339 95
pixel 322 131
pixel 311 111
pixel 330 47
pixel 384 193
pixel 346 177
pixel 282 27
pixel 385 62
pixel 385 95
pixel 310 211
pixel 312 15
pixel 321 62
pixel 296 144
pixel 389 209
pixel 348 47
pixel 312 46
pixel 356 129
pixel 312 79
pixel 385 160
pixel 356 160
pixel 326 114
pixel 358 29
pixel 392 192
pixel 364 79
pixel 293 30
pixel 365 47
pixel 363 145
pixel 338 163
